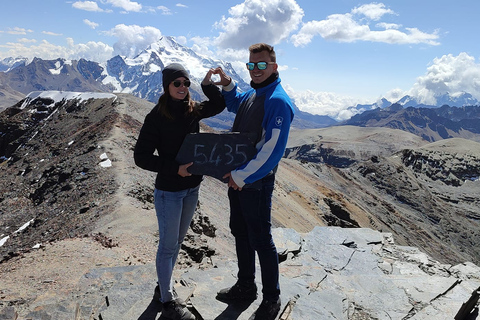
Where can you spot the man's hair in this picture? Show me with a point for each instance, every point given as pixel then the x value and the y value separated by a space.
pixel 259 47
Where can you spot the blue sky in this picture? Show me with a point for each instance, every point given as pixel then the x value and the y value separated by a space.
pixel 332 54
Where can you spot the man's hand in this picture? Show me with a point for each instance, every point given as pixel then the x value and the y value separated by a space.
pixel 182 170
pixel 231 182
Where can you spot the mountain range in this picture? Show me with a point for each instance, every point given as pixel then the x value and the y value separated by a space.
pixel 432 124
pixel 141 76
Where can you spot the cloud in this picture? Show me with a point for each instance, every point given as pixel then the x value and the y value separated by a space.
pixel 449 73
pixel 351 27
pixel 201 45
pixel 126 5
pixel 133 39
pixel 87 6
pixel 385 25
pixel 95 51
pixel 51 33
pixel 19 31
pixel 336 106
pixel 258 21
pixel 164 10
pixel 373 11
pixel 181 5
pixel 91 24
pixel 25 40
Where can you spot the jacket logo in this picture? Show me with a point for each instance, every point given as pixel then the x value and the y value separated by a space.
pixel 278 121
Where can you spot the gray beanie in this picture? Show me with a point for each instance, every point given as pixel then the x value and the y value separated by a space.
pixel 172 72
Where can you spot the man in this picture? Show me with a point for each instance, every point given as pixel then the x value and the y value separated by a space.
pixel 265 110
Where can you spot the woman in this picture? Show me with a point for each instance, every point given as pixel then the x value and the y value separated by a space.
pixel 176 190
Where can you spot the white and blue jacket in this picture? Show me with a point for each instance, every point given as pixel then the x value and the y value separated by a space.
pixel 267 112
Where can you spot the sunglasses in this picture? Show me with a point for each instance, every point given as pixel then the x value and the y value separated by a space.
pixel 178 83
pixel 260 65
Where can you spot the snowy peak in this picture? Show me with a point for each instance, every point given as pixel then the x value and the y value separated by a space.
pixel 8 64
pixel 142 75
pixel 460 99
pixel 62 96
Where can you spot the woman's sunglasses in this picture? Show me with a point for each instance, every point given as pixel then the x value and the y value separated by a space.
pixel 178 83
pixel 260 65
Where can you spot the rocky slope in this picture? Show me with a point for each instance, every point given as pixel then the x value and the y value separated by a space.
pixel 75 206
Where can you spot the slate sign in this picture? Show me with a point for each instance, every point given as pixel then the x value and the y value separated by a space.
pixel 215 154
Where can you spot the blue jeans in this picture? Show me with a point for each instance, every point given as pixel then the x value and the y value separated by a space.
pixel 250 224
pixel 174 213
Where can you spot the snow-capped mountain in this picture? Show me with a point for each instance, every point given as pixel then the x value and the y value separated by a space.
pixel 8 64
pixel 142 75
pixel 458 100
pixel 453 100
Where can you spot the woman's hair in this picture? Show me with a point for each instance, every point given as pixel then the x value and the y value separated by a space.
pixel 259 47
pixel 163 100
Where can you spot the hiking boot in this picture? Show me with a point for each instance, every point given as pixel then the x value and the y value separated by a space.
pixel 268 310
pixel 157 296
pixel 174 311
pixel 239 292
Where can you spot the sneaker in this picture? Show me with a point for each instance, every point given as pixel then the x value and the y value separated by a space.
pixel 239 292
pixel 157 296
pixel 268 310
pixel 174 311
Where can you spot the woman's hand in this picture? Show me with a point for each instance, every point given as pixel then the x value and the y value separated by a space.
pixel 182 170
pixel 224 79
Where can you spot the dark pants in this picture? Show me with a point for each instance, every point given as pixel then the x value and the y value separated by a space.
pixel 250 223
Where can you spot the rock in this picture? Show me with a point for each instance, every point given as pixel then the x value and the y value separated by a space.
pixel 323 278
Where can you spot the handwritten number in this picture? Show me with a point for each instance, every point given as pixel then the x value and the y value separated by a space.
pixel 229 153
pixel 212 155
pixel 243 154
pixel 217 156
pixel 200 154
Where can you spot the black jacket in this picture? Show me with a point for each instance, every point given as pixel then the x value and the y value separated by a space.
pixel 166 136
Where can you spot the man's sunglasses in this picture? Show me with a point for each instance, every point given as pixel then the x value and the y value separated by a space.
pixel 260 65
pixel 178 83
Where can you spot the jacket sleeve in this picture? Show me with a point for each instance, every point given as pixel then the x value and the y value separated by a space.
pixel 144 152
pixel 233 98
pixel 215 103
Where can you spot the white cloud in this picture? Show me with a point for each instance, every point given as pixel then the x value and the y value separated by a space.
pixel 96 51
pixel 330 104
pixel 373 11
pixel 452 74
pixel 164 10
pixel 133 39
pixel 91 24
pixel 347 28
pixel 395 94
pixel 181 5
pixel 126 5
pixel 19 31
pixel 87 6
pixel 201 45
pixel 385 25
pixel 51 33
pixel 25 40
pixel 258 21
